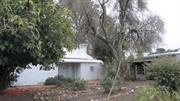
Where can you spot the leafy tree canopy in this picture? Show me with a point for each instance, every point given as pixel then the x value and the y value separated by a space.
pixel 32 31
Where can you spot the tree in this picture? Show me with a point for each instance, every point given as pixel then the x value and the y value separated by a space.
pixel 31 31
pixel 128 28
pixel 149 27
pixel 78 17
pixel 100 50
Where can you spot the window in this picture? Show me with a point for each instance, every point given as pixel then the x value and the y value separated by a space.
pixel 140 70
pixel 92 68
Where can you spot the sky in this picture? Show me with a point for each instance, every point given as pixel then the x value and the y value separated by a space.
pixel 169 12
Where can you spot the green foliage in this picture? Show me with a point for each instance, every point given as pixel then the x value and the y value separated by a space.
pixel 66 83
pixel 107 82
pixel 78 85
pixel 101 51
pixel 8 76
pixel 32 31
pixel 166 72
pixel 149 93
pixel 50 81
pixel 59 81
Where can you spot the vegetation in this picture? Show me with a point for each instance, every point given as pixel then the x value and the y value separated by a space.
pixel 78 85
pixel 126 29
pixel 166 72
pixel 31 31
pixel 150 93
pixel 51 81
pixel 66 83
pixel 107 82
pixel 59 81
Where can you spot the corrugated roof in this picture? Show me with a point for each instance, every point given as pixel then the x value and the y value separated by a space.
pixel 176 52
pixel 82 61
pixel 79 55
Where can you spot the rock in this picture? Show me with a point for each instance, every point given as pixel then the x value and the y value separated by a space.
pixel 99 88
pixel 47 98
pixel 35 97
pixel 38 94
pixel 42 98
pixel 137 87
pixel 132 91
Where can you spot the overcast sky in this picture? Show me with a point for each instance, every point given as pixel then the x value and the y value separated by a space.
pixel 169 11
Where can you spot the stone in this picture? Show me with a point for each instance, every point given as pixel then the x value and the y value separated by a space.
pixel 42 98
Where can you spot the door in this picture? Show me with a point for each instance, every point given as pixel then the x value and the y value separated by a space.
pixel 75 70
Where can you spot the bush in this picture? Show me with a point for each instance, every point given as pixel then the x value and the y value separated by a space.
pixel 78 85
pixel 107 82
pixel 149 93
pixel 59 81
pixel 66 83
pixel 165 72
pixel 50 81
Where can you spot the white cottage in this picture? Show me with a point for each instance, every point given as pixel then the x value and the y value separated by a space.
pixel 78 64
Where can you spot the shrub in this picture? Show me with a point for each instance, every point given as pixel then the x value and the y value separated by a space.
pixel 78 85
pixel 165 72
pixel 66 83
pixel 149 93
pixel 50 81
pixel 59 81
pixel 107 82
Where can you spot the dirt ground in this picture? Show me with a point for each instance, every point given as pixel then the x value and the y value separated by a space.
pixel 23 93
pixel 93 92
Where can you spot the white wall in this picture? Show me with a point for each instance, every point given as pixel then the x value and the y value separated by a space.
pixel 88 74
pixel 178 57
pixel 35 76
pixel 69 70
pixel 82 70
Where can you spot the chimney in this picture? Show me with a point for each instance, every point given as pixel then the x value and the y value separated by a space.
pixel 83 47
pixel 160 50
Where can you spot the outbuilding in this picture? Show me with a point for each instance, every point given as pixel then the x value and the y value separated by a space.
pixel 77 64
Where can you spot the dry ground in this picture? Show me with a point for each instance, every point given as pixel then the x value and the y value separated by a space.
pixel 93 92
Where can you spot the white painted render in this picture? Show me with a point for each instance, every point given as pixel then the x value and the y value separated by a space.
pixel 86 71
pixel 35 76
pixel 70 70
pixel 91 71
pixel 78 64
pixel 178 56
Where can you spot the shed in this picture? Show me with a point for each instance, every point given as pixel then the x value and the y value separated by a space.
pixel 78 64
